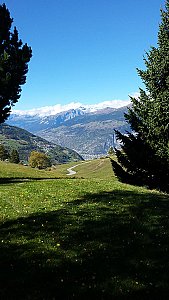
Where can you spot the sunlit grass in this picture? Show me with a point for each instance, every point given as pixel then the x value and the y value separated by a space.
pixel 9 170
pixel 98 168
pixel 84 237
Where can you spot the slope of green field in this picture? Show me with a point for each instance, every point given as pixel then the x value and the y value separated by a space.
pixel 85 236
pixel 98 168
pixel 17 171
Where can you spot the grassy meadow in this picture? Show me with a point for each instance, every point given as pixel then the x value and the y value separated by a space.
pixel 85 236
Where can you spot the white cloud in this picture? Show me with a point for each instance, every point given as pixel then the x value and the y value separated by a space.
pixel 55 109
pixel 48 110
pixel 135 95
pixel 105 104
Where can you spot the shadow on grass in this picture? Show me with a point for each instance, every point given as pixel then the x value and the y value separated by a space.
pixel 21 179
pixel 12 180
pixel 102 246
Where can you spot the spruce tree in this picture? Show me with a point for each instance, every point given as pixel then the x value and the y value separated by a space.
pixel 144 154
pixel 3 152
pixel 111 151
pixel 14 58
pixel 14 157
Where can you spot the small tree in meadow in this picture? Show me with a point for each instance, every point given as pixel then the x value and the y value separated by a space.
pixel 39 160
pixel 111 151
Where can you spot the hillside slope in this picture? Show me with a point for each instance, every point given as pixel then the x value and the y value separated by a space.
pixel 89 133
pixel 16 138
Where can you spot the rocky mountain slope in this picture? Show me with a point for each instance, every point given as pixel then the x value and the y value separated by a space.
pixel 35 123
pixel 13 137
pixel 90 133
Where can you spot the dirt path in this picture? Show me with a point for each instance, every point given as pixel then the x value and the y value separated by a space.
pixel 72 172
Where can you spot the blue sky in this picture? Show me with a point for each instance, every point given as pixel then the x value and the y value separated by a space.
pixel 84 50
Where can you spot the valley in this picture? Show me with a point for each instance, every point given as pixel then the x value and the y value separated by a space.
pixel 24 142
pixel 89 133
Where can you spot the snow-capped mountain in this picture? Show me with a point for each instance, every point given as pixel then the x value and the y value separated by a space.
pixel 37 122
pixel 58 108
pixel 87 130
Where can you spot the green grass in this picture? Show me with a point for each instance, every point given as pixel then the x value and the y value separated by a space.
pixel 14 171
pixel 99 168
pixel 81 238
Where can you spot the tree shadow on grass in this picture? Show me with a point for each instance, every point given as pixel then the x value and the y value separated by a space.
pixel 12 180
pixel 102 246
pixel 26 179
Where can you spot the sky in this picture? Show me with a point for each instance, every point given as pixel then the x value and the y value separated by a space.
pixel 84 51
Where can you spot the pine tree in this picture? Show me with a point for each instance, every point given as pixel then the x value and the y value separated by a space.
pixel 111 151
pixel 144 154
pixel 3 153
pixel 14 157
pixel 14 58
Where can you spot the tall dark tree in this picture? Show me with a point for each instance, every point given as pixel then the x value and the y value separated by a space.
pixel 14 157
pixel 3 152
pixel 14 58
pixel 144 154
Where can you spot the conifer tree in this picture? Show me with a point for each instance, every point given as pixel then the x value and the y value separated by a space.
pixel 14 58
pixel 14 157
pixel 144 154
pixel 3 152
pixel 111 151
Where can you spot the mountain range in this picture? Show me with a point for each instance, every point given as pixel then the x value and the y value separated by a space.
pixel 90 132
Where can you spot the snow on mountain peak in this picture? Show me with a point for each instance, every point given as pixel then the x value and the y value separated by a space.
pixel 58 108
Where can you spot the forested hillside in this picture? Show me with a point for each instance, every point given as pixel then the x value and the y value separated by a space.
pixel 24 142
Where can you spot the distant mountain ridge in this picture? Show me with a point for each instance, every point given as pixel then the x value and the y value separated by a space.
pixel 90 133
pixel 37 122
pixel 58 108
